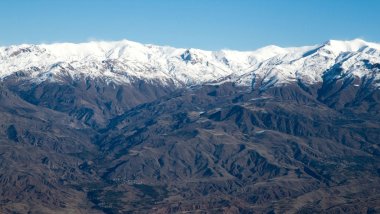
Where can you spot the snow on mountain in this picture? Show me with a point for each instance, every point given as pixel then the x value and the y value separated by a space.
pixel 309 64
pixel 125 61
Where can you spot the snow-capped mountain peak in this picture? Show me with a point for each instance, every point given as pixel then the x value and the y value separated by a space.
pixel 309 64
pixel 125 61
pixel 349 46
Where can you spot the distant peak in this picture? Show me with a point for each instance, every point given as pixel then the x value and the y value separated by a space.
pixel 338 46
pixel 353 41
pixel 271 47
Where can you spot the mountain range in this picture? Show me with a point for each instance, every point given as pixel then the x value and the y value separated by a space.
pixel 122 127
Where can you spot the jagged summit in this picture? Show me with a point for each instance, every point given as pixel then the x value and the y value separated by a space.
pixel 124 61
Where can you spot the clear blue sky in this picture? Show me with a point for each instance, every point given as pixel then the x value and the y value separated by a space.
pixel 206 24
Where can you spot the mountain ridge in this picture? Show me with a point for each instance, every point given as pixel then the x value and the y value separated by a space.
pixel 149 129
pixel 122 61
